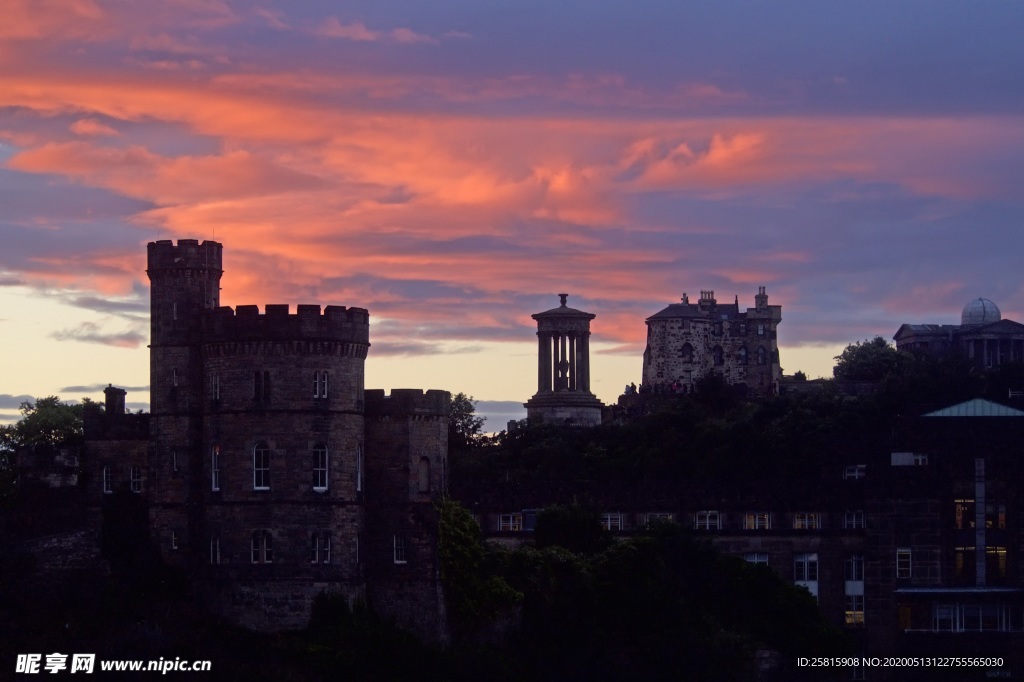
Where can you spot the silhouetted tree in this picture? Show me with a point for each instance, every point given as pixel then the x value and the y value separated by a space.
pixel 872 360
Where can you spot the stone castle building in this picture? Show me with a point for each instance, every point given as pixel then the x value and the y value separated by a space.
pixel 270 474
pixel 563 369
pixel 686 341
pixel 982 336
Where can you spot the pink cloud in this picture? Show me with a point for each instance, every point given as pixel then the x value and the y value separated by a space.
pixel 90 127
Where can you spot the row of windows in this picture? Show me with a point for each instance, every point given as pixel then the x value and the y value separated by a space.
pixel 261 548
pixel 718 355
pixel 705 520
pixel 320 468
pixel 134 479
pixel 718 328
pixel 261 385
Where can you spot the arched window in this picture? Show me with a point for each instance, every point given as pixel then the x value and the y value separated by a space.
pixel 762 356
pixel 261 466
pixel 262 547
pixel 743 355
pixel 320 467
pixel 686 353
pixel 718 355
pixel 424 475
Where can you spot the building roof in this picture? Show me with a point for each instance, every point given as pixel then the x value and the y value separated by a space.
pixel 720 311
pixel 977 408
pixel 563 311
pixel 979 311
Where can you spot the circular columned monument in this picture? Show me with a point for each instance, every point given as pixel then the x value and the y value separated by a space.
pixel 563 368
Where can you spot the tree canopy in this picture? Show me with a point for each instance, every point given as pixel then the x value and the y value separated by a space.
pixel 872 360
pixel 465 428
pixel 48 421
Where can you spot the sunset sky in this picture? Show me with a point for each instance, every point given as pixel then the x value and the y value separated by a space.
pixel 452 165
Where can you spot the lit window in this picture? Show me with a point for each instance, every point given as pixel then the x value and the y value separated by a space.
pixel 214 550
pixel 262 548
pixel 707 520
pixel 261 467
pixel 510 522
pixel 853 519
pixel 108 480
pixel 654 518
pixel 320 548
pixel 805 567
pixel 757 521
pixel 855 610
pixel 807 521
pixel 611 521
pixel 995 516
pixel 136 479
pixel 398 550
pixel 855 471
pixel 215 468
pixel 855 567
pixel 320 468
pixel 904 563
pixel 995 561
pixel 756 558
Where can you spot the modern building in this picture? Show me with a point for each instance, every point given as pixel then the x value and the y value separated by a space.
pixel 982 336
pixel 270 474
pixel 563 369
pixel 686 341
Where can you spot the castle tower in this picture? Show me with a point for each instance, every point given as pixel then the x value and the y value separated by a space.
pixel 184 282
pixel 563 368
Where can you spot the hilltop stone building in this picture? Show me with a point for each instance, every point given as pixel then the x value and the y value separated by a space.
pixel 686 341
pixel 563 369
pixel 268 471
pixel 982 336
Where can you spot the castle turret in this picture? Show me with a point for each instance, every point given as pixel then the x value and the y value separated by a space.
pixel 563 368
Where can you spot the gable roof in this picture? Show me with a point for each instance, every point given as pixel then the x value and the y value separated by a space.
pixel 977 408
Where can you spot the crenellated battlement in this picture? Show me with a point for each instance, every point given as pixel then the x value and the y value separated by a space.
pixel 187 254
pixel 277 323
pixel 407 402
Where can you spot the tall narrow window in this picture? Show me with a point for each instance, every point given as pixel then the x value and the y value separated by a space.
pixel 257 386
pixel 320 467
pixel 174 376
pixel 359 468
pixel 174 539
pixel 266 387
pixel 261 466
pixel 136 479
pixel 424 475
pixel 108 480
pixel 261 547
pixel 398 550
pixel 215 468
pixel 762 356
pixel 174 311
pixel 853 519
pixel 214 550
pixel 320 548
pixel 805 567
pixel 174 460
pixel 717 355
pixel 743 355
pixel 215 386
pixel 904 563
pixel 855 567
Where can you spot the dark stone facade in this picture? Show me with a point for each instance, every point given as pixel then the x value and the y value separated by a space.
pixel 686 341
pixel 270 474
